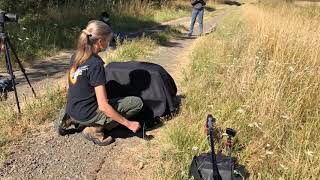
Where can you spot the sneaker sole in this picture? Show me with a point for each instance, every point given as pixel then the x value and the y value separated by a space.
pixel 97 141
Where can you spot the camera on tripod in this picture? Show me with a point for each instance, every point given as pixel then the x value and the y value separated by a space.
pixel 5 83
pixel 8 49
pixel 8 17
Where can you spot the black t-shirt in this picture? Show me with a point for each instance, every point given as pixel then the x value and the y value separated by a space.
pixel 82 102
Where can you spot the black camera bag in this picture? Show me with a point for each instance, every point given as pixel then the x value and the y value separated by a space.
pixel 201 167
pixel 209 166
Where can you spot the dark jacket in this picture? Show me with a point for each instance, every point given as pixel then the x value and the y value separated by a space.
pixel 198 4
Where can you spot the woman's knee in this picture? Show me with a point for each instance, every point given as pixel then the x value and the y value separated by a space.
pixel 136 102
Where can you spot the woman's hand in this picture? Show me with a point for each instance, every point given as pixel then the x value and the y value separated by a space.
pixel 134 126
pixel 105 107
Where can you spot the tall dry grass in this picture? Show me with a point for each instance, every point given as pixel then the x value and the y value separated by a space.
pixel 284 64
pixel 259 73
pixel 142 47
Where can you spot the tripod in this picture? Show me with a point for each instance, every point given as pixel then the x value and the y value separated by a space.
pixel 6 45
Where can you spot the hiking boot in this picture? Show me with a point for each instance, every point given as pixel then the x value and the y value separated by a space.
pixel 63 122
pixel 65 125
pixel 96 135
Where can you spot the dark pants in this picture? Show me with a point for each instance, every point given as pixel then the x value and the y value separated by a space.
pixel 196 13
pixel 127 107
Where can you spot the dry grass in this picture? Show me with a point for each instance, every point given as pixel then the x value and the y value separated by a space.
pixel 284 67
pixel 259 73
pixel 142 47
pixel 132 50
pixel 33 113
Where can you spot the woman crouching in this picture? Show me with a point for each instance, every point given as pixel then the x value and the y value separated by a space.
pixel 87 102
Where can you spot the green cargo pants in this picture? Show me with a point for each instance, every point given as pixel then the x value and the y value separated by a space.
pixel 127 107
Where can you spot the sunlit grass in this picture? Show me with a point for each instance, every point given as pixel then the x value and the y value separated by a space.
pixel 258 73
pixel 142 47
pixel 132 50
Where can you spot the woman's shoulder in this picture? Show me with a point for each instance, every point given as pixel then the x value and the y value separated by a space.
pixel 95 59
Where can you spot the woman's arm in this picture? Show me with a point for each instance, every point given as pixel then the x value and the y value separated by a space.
pixel 105 107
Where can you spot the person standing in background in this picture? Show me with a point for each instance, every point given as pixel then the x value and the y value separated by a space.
pixel 197 12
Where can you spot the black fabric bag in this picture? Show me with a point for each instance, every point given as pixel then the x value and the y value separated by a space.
pixel 149 81
pixel 201 167
pixel 210 166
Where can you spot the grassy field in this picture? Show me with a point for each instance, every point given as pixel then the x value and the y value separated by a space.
pixel 258 73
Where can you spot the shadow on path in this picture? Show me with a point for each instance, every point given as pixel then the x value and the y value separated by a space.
pixel 228 2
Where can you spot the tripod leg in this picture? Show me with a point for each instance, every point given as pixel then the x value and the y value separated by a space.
pixel 20 65
pixel 10 71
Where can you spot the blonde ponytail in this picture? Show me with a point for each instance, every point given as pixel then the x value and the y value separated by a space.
pixel 94 31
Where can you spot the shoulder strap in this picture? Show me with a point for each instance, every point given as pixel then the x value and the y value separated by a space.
pixel 210 121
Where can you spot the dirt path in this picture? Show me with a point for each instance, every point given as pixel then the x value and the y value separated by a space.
pixel 48 156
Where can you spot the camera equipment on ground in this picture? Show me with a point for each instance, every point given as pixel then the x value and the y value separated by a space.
pixel 212 166
pixel 6 46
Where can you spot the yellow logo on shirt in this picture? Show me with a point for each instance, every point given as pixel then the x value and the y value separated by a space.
pixel 73 74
